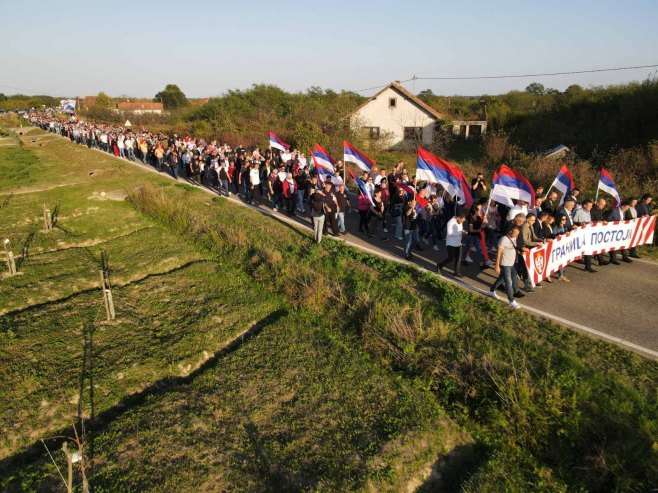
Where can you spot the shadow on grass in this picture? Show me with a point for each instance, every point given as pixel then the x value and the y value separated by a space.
pixel 450 471
pixel 25 249
pixel 35 451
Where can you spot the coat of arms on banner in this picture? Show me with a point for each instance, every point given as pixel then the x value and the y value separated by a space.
pixel 539 262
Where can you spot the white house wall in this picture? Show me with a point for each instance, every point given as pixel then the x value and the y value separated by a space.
pixel 377 113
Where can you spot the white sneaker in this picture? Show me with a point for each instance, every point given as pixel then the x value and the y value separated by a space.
pixel 514 304
pixel 385 230
pixel 492 294
pixel 468 260
pixel 435 247
pixel 490 263
pixel 275 209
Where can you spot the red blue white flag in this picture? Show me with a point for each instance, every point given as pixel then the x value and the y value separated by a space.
pixel 510 185
pixel 563 182
pixel 352 155
pixel 277 143
pixel 322 159
pixel 607 184
pixel 436 170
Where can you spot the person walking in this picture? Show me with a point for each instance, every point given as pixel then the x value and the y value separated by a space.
pixel 454 235
pixel 505 268
pixel 317 213
pixel 410 228
pixel 344 206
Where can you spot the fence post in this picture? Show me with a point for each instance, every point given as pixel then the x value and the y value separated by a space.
pixel 47 219
pixel 107 289
pixel 11 262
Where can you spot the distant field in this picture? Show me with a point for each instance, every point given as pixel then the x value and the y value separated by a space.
pixel 362 375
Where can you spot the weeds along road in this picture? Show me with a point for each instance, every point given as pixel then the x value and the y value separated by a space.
pixel 618 304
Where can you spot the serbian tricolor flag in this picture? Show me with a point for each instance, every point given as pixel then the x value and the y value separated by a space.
pixel 436 170
pixel 322 159
pixel 563 182
pixel 277 143
pixel 495 196
pixel 363 190
pixel 411 191
pixel 510 185
pixel 352 155
pixel 421 202
pixel 607 184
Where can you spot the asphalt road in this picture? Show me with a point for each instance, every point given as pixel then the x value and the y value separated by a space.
pixel 618 304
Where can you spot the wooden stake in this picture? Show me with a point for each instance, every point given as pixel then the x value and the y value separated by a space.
pixel 107 296
pixel 47 219
pixel 69 462
pixel 11 262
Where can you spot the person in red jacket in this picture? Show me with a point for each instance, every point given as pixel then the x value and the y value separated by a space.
pixel 289 189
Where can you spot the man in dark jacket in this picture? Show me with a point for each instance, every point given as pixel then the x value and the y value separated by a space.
pixel 344 206
pixel 617 214
pixel 598 214
pixel 551 204
pixel 644 207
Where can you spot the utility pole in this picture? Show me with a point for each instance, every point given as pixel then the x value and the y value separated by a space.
pixel 107 289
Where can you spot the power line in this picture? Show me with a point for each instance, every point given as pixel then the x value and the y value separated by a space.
pixel 548 74
pixel 20 88
pixel 470 77
pixel 517 76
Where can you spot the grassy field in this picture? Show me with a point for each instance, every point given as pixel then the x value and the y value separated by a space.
pixel 361 374
pixel 295 406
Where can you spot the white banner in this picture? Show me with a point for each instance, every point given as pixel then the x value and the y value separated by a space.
pixel 67 105
pixel 589 239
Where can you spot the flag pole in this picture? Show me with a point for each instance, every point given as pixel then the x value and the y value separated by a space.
pixel 597 194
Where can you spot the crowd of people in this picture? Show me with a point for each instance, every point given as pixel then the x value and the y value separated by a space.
pixel 492 234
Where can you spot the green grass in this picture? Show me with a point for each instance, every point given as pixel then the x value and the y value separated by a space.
pixel 375 372
pixel 547 406
pixel 332 421
pixel 299 406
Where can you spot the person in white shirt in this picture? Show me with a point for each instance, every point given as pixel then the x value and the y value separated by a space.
pixel 454 234
pixel 381 176
pixel 254 181
pixel 121 145
pixel 521 207
pixel 370 186
pixel 505 268
pixel 129 143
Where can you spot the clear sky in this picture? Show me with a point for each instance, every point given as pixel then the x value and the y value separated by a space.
pixel 78 48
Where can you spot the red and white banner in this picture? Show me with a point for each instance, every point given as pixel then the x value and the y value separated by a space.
pixel 589 239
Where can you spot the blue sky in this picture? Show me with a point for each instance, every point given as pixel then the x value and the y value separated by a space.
pixel 77 48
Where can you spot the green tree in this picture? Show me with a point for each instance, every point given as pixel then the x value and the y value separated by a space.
pixel 103 100
pixel 172 98
pixel 536 88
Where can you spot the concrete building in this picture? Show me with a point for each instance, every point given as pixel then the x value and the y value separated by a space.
pixel 397 115
pixel 469 129
pixel 140 108
pixel 557 152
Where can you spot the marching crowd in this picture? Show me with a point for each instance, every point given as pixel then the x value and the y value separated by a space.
pixel 489 233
